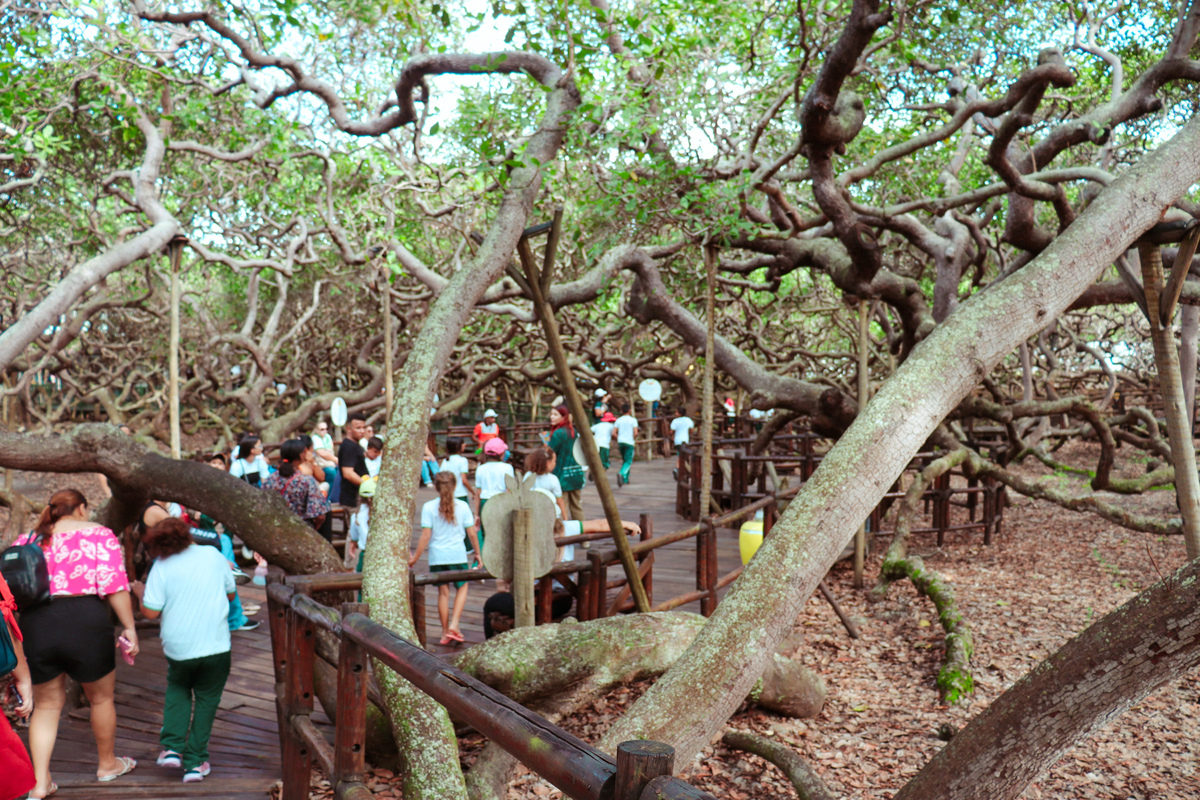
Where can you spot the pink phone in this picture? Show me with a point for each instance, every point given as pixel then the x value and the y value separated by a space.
pixel 125 646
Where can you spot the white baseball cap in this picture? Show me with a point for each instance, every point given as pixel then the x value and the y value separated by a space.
pixel 600 393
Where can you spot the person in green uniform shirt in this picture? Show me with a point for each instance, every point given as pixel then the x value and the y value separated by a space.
pixel 568 471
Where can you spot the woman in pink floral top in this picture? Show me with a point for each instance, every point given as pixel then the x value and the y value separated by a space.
pixel 73 635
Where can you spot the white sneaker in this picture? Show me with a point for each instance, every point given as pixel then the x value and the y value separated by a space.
pixel 196 774
pixel 169 758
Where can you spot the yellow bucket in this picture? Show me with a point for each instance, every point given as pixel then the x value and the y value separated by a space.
pixel 750 538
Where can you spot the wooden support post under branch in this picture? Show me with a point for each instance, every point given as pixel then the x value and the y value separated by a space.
pixel 536 282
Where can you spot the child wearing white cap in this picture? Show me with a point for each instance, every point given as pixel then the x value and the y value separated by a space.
pixel 488 429
pixel 601 404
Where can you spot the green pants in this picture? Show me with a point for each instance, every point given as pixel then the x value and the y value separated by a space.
pixel 194 689
pixel 604 456
pixel 626 461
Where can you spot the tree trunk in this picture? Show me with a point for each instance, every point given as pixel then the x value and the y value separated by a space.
pixel 424 734
pixel 1189 329
pixel 688 706
pixel 1166 359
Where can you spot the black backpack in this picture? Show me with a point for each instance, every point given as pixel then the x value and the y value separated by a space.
pixel 25 572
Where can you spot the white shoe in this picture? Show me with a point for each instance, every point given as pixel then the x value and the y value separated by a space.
pixel 196 774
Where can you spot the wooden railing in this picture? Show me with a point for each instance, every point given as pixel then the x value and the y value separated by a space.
pixel 740 480
pixel 641 770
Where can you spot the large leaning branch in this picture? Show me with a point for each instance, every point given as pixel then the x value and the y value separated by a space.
pixel 687 706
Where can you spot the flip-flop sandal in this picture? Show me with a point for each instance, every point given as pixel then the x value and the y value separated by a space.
pixel 456 636
pixel 127 765
pixel 53 788
pixel 445 640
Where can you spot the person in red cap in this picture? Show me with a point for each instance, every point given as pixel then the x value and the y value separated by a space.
pixel 603 432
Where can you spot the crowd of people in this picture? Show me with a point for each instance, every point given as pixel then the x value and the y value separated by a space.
pixel 191 573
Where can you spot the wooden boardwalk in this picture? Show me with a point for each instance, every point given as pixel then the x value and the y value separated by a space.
pixel 245 748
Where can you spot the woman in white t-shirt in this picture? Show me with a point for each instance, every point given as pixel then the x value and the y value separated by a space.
pixel 540 464
pixel 445 523
pixel 250 465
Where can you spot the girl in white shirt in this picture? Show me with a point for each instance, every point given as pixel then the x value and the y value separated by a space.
pixel 445 524
pixel 489 476
pixel 456 463
pixel 540 463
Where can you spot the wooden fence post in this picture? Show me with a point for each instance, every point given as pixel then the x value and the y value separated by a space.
pixel 706 562
pixel 646 522
pixel 416 597
pixel 737 481
pixel 694 485
pixel 599 581
pixel 544 601
pixel 277 621
pixel 297 701
pixel 989 508
pixel 941 506
pixel 350 742
pixel 583 602
pixel 638 763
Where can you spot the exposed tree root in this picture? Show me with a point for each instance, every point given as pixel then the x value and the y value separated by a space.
pixel 807 782
pixel 954 678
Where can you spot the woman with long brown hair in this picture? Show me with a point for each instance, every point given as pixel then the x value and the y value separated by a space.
pixel 73 635
pixel 570 474
pixel 445 524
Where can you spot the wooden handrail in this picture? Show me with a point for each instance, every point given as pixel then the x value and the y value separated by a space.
pixel 572 765
pixel 590 584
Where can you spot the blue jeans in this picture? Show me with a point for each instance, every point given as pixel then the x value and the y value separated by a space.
pixel 428 470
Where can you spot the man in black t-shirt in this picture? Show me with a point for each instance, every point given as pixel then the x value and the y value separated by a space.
pixel 352 461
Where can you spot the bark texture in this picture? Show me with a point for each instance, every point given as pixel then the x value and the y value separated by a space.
pixel 424 734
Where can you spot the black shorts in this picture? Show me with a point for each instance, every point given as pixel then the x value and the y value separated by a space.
pixel 72 635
